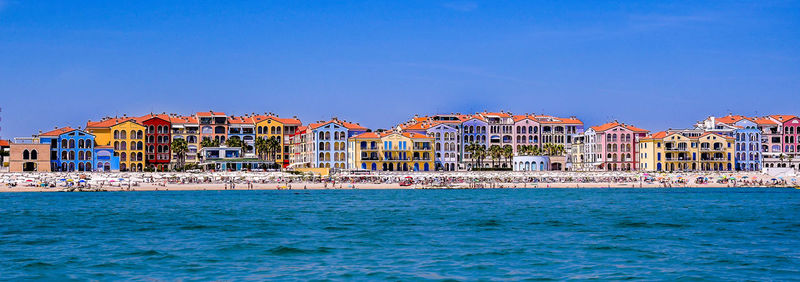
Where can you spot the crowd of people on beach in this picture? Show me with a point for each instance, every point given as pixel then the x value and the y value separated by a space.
pixel 292 180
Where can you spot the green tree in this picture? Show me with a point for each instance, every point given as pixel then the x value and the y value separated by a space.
pixel 495 152
pixel 261 148
pixel 273 147
pixel 508 153
pixel 209 143
pixel 180 147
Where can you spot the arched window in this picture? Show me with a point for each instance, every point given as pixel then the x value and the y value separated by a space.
pixel 26 155
pixel 123 134
pixel 72 144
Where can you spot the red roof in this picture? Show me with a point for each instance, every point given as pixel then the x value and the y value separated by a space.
pixel 4 143
pixel 501 114
pixel 348 125
pixel 209 114
pixel 109 122
pixel 182 119
pixel 285 121
pixel 366 135
pixel 731 119
pixel 147 117
pixel 611 125
pixel 240 120
pixel 782 118
pixel 57 131
pixel 764 121
pixel 657 135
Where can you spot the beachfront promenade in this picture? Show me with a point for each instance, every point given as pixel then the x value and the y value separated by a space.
pixel 150 181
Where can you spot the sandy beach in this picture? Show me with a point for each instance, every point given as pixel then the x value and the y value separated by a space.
pixel 167 181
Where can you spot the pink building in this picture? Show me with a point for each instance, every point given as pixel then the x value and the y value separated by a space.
pixel 613 146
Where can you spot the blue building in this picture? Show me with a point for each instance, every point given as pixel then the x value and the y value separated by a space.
pixel 748 145
pixel 70 149
pixel 105 160
pixel 445 138
pixel 747 150
pixel 330 142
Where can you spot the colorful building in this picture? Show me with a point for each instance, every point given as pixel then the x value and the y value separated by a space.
pixel 70 149
pixel 105 159
pixel 282 129
pixel 748 155
pixel 789 126
pixel 325 143
pixel 686 150
pixel 213 126
pixel 28 155
pixel 243 128
pixel 158 139
pixel 128 140
pixel 391 151
pixel 188 129
pixel 612 146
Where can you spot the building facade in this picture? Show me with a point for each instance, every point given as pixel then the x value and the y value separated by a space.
pixel 391 151
pixel 686 151
pixel 613 146
pixel 158 141
pixel 28 155
pixel 70 149
pixel 128 141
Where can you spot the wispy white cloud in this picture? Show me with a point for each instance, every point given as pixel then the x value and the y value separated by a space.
pixel 467 6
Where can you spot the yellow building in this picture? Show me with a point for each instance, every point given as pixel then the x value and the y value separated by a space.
pixel 127 137
pixel 391 151
pixel 279 128
pixel 128 140
pixel 686 151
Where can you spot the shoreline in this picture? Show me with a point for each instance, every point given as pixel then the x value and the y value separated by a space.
pixel 175 181
pixel 365 186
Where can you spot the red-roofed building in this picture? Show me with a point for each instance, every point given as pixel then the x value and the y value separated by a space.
pixel 324 144
pixel 158 139
pixel 188 129
pixel 391 151
pixel 612 146
pixel 213 126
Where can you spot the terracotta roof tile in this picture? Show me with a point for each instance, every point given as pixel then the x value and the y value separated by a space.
pixel 209 114
pixel 57 131
pixel 4 143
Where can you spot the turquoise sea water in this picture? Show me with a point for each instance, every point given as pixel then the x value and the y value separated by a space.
pixel 665 234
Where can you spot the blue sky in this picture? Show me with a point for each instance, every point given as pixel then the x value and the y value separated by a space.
pixel 656 64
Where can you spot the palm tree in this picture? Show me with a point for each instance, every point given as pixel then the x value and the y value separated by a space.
pixel 472 148
pixel 508 153
pixel 233 142
pixel 209 143
pixel 495 152
pixel 273 147
pixel 179 146
pixel 261 148
pixel 559 149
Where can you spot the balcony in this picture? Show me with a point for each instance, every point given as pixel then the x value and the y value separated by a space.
pixel 676 149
